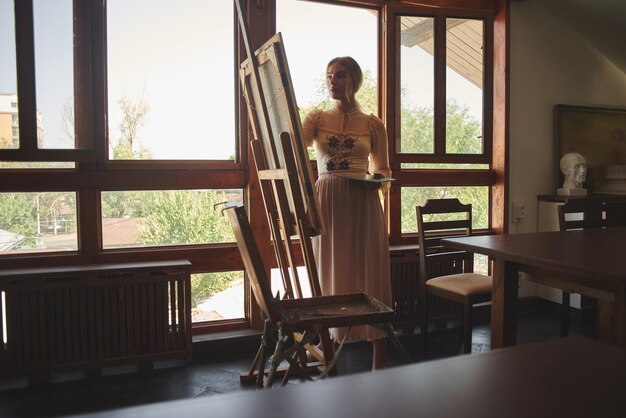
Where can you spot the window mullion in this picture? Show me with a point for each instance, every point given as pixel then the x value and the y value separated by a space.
pixel 25 56
pixel 83 92
pixel 440 85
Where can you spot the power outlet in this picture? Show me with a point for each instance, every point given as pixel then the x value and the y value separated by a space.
pixel 519 212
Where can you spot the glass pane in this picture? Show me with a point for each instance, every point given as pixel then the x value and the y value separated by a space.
pixel 464 86
pixel 9 130
pixel 309 48
pixel 37 222
pixel 54 73
pixel 278 285
pixel 465 166
pixel 417 84
pixel 35 165
pixel 171 217
pixel 171 80
pixel 477 196
pixel 216 296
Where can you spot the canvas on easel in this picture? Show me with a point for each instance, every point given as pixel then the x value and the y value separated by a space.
pixel 276 91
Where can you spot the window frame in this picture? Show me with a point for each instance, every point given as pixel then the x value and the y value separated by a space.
pixel 440 155
pixel 416 177
pixel 94 173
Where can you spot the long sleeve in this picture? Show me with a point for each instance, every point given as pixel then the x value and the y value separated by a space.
pixel 379 157
pixel 309 126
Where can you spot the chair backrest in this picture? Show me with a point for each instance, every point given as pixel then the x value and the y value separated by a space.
pixel 443 218
pixel 253 262
pixel 581 214
pixel 615 213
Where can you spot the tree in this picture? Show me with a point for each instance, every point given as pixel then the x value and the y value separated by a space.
pixel 17 217
pixel 127 147
pixel 462 131
pixel 32 214
pixel 189 217
pixel 134 115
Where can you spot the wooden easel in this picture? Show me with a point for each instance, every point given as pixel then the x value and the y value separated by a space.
pixel 288 219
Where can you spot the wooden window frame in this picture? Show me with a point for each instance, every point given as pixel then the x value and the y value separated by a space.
pixel 94 174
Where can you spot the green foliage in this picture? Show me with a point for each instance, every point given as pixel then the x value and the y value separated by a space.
pixel 184 217
pixel 463 132
pixel 417 130
pixel 17 216
pixel 22 213
pixel 478 196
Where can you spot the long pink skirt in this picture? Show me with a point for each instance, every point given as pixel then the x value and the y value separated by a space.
pixel 353 253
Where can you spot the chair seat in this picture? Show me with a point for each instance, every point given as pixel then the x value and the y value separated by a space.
pixel 465 284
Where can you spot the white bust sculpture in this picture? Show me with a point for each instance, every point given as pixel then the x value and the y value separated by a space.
pixel 574 168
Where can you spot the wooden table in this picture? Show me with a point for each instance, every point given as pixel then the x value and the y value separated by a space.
pixel 591 262
pixel 529 380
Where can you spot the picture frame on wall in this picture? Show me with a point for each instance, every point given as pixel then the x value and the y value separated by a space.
pixel 599 135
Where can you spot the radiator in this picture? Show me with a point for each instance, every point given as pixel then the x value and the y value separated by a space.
pixel 408 292
pixel 89 317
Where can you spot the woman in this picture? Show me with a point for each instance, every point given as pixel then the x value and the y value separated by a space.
pixel 353 254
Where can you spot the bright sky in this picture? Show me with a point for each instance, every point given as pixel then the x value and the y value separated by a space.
pixel 180 61
pixel 8 83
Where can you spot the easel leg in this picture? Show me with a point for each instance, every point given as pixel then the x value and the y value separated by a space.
pixel 262 356
pixel 396 342
pixel 276 358
pixel 328 350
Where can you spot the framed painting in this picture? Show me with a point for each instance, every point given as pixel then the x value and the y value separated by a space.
pixel 599 135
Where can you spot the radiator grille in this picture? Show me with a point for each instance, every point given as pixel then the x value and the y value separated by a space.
pixel 408 292
pixel 94 318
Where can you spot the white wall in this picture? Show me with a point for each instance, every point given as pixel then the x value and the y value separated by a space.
pixel 550 64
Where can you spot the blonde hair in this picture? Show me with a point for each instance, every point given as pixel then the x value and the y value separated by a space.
pixel 353 68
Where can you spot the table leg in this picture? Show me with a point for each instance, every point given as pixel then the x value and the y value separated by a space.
pixel 605 321
pixel 504 304
pixel 619 318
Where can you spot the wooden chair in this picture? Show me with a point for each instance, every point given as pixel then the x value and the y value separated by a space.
pixel 305 316
pixel 437 219
pixel 578 214
pixel 615 212
pixel 592 213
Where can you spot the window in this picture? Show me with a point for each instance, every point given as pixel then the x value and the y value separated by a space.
pixel 54 73
pixel 127 124
pixel 37 222
pixel 464 86
pixel 478 197
pixel 171 80
pixel 168 217
pixel 217 296
pixel 417 75
pixel 299 23
pixel 444 118
pixel 441 93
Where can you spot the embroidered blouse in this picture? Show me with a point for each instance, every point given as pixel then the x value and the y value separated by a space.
pixel 350 141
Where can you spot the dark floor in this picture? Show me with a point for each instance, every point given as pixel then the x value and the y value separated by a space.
pixel 69 394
